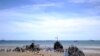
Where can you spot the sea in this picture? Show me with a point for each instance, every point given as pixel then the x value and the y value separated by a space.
pixel 50 43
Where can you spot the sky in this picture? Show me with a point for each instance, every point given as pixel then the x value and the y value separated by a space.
pixel 48 19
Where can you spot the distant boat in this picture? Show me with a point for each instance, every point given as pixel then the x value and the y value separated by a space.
pixel 92 40
pixel 75 41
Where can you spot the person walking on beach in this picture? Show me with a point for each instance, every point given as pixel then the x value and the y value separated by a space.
pixel 65 53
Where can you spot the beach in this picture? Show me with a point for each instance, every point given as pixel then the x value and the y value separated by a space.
pixel 41 53
pixel 49 27
pixel 90 48
pixel 87 51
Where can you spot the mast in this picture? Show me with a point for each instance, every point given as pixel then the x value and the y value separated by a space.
pixel 57 38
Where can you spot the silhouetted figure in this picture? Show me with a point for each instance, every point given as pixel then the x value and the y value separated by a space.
pixel 27 47
pixel 58 46
pixel 74 51
pixel 8 50
pixel 17 49
pixel 31 47
pixel 2 50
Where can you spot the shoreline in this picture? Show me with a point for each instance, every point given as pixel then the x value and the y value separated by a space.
pixel 65 47
pixel 88 52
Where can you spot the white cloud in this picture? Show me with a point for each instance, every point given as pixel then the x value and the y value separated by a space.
pixel 42 6
pixel 77 1
pixel 58 25
pixel 84 1
pixel 38 20
pixel 51 27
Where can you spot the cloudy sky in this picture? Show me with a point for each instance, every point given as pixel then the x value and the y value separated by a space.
pixel 47 19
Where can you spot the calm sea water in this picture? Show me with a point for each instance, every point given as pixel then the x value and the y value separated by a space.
pixel 50 43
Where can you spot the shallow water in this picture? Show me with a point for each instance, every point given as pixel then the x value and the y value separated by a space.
pixel 50 43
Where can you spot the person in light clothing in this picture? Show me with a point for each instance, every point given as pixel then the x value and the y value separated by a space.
pixel 65 52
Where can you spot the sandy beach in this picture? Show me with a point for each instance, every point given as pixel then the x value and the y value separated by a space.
pixel 88 52
pixel 41 53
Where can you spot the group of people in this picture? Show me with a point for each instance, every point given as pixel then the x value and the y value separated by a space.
pixel 73 51
pixel 31 47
